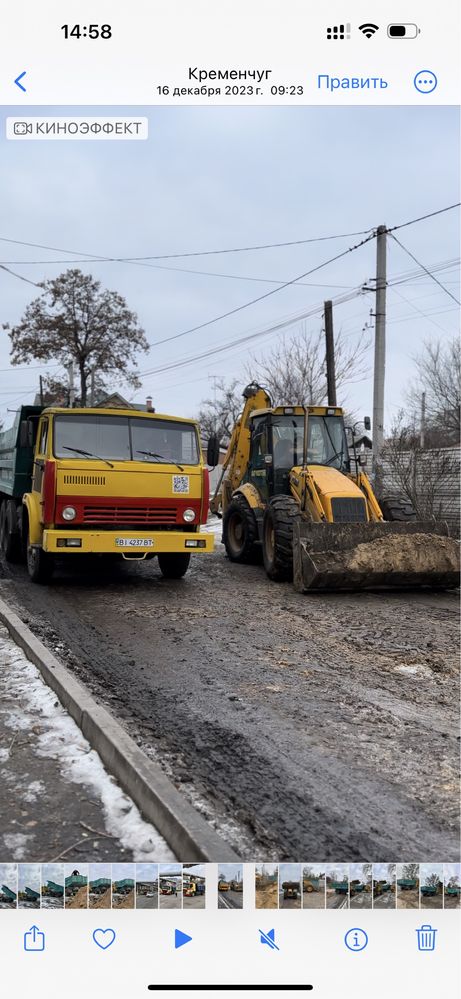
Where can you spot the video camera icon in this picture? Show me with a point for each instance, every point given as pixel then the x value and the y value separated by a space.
pixel 22 128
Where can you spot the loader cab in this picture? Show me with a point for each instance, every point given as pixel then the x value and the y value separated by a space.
pixel 277 445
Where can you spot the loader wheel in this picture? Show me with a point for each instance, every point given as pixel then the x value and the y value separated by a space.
pixel 278 522
pixel 10 540
pixel 240 532
pixel 173 566
pixel 40 565
pixel 397 508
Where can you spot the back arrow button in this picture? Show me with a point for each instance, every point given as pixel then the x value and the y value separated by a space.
pixel 18 78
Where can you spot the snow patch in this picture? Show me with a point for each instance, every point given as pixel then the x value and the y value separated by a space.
pixel 17 843
pixel 36 788
pixel 57 737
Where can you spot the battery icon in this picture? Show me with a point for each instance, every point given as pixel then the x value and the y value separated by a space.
pixel 403 30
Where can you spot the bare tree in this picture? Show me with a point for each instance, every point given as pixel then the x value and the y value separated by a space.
pixel 366 872
pixel 439 376
pixel 294 372
pixel 423 477
pixel 391 869
pixel 218 415
pixel 411 871
pixel 432 880
pixel 74 319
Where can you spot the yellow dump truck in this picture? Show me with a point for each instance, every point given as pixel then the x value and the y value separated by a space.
pixel 109 482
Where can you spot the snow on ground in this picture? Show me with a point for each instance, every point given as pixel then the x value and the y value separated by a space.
pixel 214 526
pixel 60 739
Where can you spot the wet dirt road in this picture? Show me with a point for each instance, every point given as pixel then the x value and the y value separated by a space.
pixel 321 726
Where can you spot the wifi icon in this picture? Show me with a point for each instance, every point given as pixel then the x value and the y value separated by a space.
pixel 368 29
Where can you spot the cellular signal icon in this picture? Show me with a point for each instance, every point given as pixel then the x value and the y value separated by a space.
pixel 368 29
pixel 339 32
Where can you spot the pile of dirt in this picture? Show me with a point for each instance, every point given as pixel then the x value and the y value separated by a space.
pixel 79 900
pixel 126 901
pixel 101 901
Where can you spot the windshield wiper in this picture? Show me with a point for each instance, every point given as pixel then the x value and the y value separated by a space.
pixel 167 461
pixel 88 454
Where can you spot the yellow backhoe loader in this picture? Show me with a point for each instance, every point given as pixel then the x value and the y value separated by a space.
pixel 290 488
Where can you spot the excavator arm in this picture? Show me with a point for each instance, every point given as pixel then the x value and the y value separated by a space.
pixel 237 455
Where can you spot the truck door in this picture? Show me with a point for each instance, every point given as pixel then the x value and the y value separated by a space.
pixel 41 452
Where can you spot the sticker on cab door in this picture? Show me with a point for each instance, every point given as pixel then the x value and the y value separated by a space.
pixel 180 483
pixel 134 542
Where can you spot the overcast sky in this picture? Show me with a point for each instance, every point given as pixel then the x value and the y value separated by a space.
pixel 215 178
pixel 29 877
pixel 53 872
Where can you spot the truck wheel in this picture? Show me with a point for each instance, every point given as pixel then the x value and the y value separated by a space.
pixel 239 531
pixel 397 508
pixel 279 517
pixel 173 566
pixel 40 564
pixel 10 539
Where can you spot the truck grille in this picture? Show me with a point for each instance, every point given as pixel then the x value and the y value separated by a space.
pixel 84 480
pixel 348 510
pixel 129 515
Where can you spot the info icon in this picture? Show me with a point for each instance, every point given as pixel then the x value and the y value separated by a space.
pixel 339 32
pixel 356 939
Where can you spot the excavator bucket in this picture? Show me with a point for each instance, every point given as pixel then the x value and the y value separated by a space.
pixel 378 555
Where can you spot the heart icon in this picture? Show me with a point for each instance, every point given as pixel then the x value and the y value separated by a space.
pixel 104 938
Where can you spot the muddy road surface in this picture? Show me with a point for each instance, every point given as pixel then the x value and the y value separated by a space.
pixel 321 727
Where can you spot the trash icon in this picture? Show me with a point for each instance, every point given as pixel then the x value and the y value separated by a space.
pixel 426 938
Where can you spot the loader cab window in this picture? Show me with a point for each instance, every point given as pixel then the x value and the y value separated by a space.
pixel 258 467
pixel 287 442
pixel 327 443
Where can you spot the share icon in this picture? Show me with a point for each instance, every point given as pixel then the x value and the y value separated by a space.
pixel 269 939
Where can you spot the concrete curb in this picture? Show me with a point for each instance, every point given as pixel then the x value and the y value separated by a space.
pixel 188 834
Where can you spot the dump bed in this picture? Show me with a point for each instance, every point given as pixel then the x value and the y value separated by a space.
pixel 16 459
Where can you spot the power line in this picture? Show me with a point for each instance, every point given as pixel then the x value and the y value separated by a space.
pixel 421 218
pixel 267 294
pixel 425 269
pixel 172 256
pixel 84 256
pixel 21 278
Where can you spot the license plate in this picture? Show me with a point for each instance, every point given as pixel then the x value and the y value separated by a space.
pixel 134 543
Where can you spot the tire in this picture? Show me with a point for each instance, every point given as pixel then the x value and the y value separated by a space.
pixel 397 508
pixel 173 566
pixel 10 539
pixel 279 517
pixel 40 565
pixel 240 532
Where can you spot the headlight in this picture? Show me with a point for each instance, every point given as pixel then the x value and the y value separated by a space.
pixel 69 513
pixel 188 515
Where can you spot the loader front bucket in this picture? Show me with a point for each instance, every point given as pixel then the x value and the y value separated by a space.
pixel 374 555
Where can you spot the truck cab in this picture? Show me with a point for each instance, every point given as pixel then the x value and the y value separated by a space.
pixel 111 482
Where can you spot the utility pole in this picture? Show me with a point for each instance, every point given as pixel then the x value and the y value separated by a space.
pixel 380 354
pixel 93 371
pixel 41 390
pixel 330 354
pixel 70 370
pixel 422 427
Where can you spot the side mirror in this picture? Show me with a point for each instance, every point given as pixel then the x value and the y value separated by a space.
pixel 26 434
pixel 212 451
pixel 363 459
pixel 367 423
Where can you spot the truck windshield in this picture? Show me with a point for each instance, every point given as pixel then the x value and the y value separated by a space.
pixel 123 438
pixel 326 444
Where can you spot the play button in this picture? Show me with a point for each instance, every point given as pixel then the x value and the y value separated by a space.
pixel 181 938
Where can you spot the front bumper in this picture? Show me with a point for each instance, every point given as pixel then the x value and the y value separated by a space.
pixel 116 542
